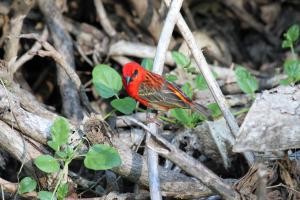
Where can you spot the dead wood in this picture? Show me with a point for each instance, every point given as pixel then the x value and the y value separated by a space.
pixel 19 10
pixel 272 118
pixel 63 43
pixel 134 166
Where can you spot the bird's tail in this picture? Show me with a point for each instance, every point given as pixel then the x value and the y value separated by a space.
pixel 203 110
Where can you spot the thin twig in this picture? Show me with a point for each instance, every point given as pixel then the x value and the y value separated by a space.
pixel 27 56
pixel 261 192
pixel 166 35
pixel 19 10
pixel 2 192
pixel 189 164
pixel 135 49
pixel 211 82
pixel 105 23
pixel 159 60
pixel 285 186
pixel 51 52
pixel 12 108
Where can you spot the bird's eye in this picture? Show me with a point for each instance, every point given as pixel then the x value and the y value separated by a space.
pixel 135 73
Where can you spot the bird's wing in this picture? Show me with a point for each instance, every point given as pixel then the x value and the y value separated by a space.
pixel 161 94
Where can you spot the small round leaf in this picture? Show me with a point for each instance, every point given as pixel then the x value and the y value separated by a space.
pixel 47 163
pixel 62 191
pixel 125 106
pixel 180 59
pixel 147 63
pixel 187 89
pixel 171 77
pixel 59 132
pixel 45 195
pixel 293 33
pixel 245 80
pixel 106 80
pixel 27 184
pixel 102 157
pixel 200 82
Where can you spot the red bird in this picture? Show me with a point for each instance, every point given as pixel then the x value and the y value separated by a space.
pixel 153 91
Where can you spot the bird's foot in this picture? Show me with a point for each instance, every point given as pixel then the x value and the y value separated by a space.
pixel 153 118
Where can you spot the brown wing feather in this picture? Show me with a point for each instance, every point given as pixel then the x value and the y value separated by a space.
pixel 161 94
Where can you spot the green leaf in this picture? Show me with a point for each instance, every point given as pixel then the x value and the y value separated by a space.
pixel 61 154
pixel 69 151
pixel 183 116
pixel 102 157
pixel 197 117
pixel 245 80
pixel 201 83
pixel 293 33
pixel 53 145
pixel 286 44
pixel 191 70
pixel 27 184
pixel 188 90
pixel 216 112
pixel 47 163
pixel 125 105
pixel 292 69
pixel 147 63
pixel 171 77
pixel 286 81
pixel 180 59
pixel 59 132
pixel 62 191
pixel 106 80
pixel 45 195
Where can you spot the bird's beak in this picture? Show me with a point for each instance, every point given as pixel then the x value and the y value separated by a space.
pixel 128 79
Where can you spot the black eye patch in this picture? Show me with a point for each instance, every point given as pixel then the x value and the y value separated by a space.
pixel 135 73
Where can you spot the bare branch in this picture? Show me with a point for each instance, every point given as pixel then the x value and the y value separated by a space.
pixel 211 82
pixel 51 52
pixel 105 23
pixel 19 10
pixel 140 50
pixel 27 56
pixel 13 188
pixel 158 65
pixel 64 45
pixel 189 164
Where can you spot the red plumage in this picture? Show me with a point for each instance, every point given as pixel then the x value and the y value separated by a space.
pixel 153 91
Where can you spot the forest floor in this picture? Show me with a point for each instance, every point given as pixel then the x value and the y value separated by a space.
pixel 69 130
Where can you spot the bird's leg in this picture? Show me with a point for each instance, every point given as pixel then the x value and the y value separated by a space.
pixel 152 119
pixel 155 118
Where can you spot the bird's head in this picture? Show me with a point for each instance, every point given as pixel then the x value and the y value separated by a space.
pixel 132 73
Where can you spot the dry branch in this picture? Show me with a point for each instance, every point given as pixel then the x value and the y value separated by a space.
pixel 27 56
pixel 158 65
pixel 140 50
pixel 63 42
pixel 51 52
pixel 148 17
pixel 272 119
pixel 189 164
pixel 210 80
pixel 19 10
pixel 13 188
pixel 134 166
pixel 35 126
pixel 108 28
pixel 17 146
